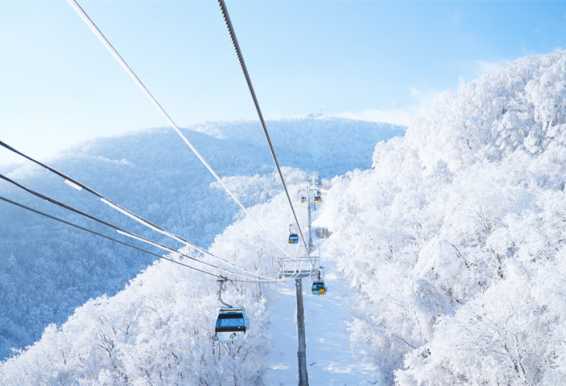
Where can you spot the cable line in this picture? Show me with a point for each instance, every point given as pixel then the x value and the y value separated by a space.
pixel 240 56
pixel 137 80
pixel 80 186
pixel 90 231
pixel 75 184
pixel 76 226
pixel 115 227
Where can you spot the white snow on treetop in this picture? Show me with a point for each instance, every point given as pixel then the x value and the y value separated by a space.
pixel 455 238
pixel 517 106
pixel 50 269
pixel 454 241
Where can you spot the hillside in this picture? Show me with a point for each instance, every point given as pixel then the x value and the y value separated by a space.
pixel 452 241
pixel 159 329
pixel 49 270
pixel 454 238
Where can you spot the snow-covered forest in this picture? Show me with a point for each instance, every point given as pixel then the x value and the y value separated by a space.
pixel 455 237
pixel 451 239
pixel 50 269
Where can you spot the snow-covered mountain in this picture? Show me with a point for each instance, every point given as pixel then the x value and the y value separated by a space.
pixel 48 270
pixel 453 241
pixel 159 329
pixel 455 237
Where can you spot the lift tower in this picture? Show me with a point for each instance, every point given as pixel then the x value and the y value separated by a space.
pixel 302 348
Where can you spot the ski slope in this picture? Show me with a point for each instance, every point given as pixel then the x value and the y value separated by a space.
pixel 331 360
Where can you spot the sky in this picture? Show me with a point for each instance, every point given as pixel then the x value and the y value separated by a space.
pixel 373 60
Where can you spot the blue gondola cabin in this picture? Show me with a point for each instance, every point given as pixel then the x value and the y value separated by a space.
pixel 231 322
pixel 293 238
pixel 318 288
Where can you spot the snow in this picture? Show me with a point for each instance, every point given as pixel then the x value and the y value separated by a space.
pixel 331 360
pixel 445 265
pixel 454 239
pixel 50 270
pixel 158 330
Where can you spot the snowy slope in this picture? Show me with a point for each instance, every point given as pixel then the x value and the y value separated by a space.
pixel 331 359
pixel 455 238
pixel 48 270
pixel 159 329
pixel 453 243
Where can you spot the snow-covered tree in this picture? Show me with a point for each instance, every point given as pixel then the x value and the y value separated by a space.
pixel 455 237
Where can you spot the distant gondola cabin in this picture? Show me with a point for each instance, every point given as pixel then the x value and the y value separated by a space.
pixel 293 238
pixel 318 288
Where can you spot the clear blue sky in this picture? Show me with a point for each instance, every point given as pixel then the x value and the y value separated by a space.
pixel 59 86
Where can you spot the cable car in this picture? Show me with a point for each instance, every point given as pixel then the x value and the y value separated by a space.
pixel 293 238
pixel 317 197
pixel 318 288
pixel 231 322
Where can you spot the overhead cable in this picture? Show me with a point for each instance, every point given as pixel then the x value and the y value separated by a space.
pixel 77 185
pixel 142 250
pixel 116 228
pixel 90 231
pixel 240 56
pixel 138 81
